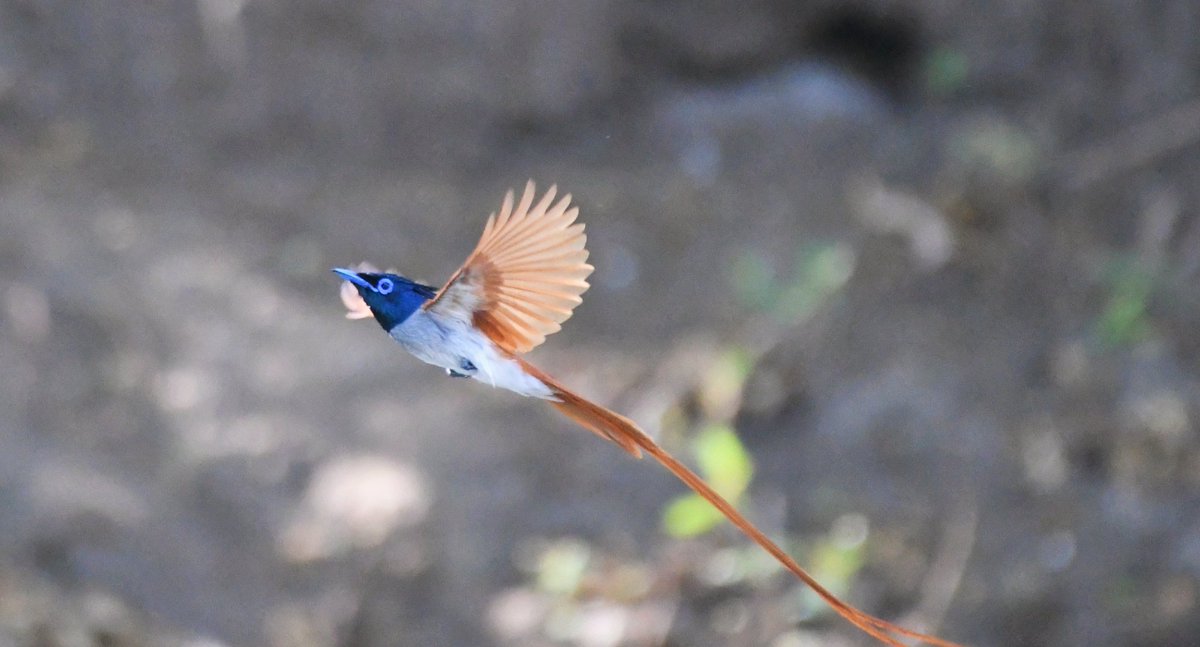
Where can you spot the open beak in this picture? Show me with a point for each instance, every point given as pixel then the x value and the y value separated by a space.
pixel 353 277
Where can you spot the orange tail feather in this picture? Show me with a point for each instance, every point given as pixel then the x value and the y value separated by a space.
pixel 622 431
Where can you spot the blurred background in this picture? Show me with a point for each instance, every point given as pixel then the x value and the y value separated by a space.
pixel 914 283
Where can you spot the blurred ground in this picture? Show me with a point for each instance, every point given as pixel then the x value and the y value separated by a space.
pixel 952 250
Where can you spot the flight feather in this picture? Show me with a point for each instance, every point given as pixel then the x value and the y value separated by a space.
pixel 525 275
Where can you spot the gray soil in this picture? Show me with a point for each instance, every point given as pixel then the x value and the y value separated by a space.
pixel 995 413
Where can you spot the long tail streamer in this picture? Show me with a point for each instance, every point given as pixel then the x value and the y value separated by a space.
pixel 622 431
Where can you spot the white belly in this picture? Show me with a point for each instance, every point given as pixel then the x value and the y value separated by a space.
pixel 447 342
pixel 506 373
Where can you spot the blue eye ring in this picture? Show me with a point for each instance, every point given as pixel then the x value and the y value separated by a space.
pixel 385 286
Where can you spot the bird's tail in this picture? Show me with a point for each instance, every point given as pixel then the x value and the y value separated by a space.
pixel 606 424
pixel 626 434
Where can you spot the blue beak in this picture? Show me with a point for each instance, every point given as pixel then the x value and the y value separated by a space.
pixel 353 277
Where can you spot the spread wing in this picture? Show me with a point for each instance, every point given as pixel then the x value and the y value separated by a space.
pixel 526 273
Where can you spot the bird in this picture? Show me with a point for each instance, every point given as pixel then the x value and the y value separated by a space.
pixel 523 279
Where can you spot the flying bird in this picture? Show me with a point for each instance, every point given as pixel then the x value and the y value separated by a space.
pixel 522 281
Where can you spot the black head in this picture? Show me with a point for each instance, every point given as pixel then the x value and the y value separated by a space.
pixel 391 297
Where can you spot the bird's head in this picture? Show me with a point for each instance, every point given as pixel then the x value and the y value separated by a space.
pixel 391 297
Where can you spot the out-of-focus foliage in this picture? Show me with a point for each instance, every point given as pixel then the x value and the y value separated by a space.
pixel 561 567
pixel 720 389
pixel 1124 320
pixel 724 463
pixel 946 71
pixel 817 273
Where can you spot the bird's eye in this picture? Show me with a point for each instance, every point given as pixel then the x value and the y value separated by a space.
pixel 385 286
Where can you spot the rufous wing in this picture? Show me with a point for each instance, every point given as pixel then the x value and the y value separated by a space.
pixel 526 274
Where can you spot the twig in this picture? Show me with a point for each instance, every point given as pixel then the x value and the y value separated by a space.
pixel 946 572
pixel 1132 148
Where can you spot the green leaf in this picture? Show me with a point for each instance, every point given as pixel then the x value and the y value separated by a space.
pixel 835 567
pixel 689 516
pixel 837 564
pixel 723 461
pixel 1125 319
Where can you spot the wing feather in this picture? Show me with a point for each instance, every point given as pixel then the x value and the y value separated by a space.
pixel 526 274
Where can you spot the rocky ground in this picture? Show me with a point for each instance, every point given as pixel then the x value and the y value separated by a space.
pixel 936 265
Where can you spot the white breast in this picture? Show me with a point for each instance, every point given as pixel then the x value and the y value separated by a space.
pixel 445 342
